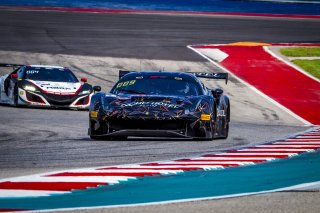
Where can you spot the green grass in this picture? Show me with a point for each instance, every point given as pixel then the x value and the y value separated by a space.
pixel 301 51
pixel 311 66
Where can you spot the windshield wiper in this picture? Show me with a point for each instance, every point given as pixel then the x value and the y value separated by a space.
pixel 131 91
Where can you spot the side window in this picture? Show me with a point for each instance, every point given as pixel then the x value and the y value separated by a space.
pixel 204 88
pixel 20 72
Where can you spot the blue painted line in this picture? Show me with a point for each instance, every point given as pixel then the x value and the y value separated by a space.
pixel 297 7
pixel 189 185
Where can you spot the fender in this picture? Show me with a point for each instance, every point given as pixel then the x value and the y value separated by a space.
pixel 227 104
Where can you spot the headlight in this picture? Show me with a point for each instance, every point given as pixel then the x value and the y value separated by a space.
pixel 85 92
pixel 30 88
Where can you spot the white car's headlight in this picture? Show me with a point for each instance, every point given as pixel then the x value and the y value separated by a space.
pixel 84 92
pixel 30 88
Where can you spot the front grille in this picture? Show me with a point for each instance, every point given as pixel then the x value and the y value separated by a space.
pixel 60 99
pixel 120 124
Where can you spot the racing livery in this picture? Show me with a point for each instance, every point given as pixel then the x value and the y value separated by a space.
pixel 44 86
pixel 164 104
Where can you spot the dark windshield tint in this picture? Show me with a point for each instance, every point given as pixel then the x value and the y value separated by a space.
pixel 50 74
pixel 157 86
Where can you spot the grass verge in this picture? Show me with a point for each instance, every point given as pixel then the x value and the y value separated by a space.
pixel 301 51
pixel 311 66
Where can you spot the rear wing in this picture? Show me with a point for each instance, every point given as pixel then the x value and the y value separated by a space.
pixel 197 74
pixel 219 75
pixel 124 72
pixel 10 65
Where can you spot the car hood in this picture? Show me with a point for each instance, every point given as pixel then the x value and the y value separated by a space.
pixel 158 106
pixel 57 87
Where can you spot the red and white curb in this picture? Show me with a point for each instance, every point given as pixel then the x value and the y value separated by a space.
pixel 253 64
pixel 63 182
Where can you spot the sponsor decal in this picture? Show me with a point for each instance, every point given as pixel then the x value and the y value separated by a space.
pixel 57 87
pixel 150 104
pixel 93 114
pixel 221 113
pixel 205 117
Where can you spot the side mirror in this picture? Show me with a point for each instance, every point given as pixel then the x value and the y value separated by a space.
pixel 84 80
pixel 96 88
pixel 14 76
pixel 217 92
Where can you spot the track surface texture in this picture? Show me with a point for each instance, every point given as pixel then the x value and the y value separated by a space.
pixel 95 46
pixel 141 36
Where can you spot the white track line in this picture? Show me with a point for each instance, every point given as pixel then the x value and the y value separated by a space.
pixel 82 179
pixel 266 154
pixel 287 146
pixel 119 170
pixel 309 136
pixel 210 162
pixel 301 142
pixel 187 166
pixel 234 159
pixel 276 150
pixel 4 193
pixel 205 163
pixel 302 139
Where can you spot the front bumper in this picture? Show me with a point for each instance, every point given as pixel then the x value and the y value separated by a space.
pixel 28 98
pixel 143 133
pixel 183 128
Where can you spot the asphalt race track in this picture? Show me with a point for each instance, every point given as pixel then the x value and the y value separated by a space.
pixel 141 36
pixel 37 140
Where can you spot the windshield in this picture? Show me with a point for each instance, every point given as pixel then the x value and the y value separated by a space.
pixel 157 85
pixel 50 74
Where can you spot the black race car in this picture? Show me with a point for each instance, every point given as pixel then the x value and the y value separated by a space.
pixel 160 104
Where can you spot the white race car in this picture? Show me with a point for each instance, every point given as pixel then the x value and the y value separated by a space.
pixel 44 86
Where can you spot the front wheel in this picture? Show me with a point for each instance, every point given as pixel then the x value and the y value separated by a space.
pixel 15 97
pixel 227 121
pixel 108 138
pixel 93 137
pixel 226 131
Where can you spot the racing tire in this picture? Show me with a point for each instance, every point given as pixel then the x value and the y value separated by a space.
pixel 226 129
pixel 119 138
pixel 95 137
pixel 213 126
pixel 99 138
pixel 15 97
pixel 108 138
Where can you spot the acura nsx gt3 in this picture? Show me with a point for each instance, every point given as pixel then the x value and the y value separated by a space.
pixel 44 86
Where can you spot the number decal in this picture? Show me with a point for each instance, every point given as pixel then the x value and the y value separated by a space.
pixel 132 82
pixel 32 71
pixel 120 84
pixel 126 83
